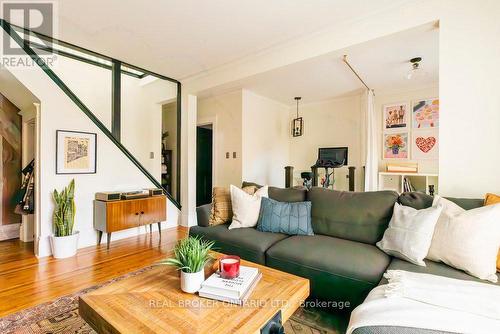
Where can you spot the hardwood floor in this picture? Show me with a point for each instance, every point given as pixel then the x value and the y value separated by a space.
pixel 26 281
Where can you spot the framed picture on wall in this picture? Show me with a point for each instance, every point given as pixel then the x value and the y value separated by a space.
pixel 396 146
pixel 396 116
pixel 425 114
pixel 76 152
pixel 425 145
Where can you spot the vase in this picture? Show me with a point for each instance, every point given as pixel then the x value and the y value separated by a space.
pixel 63 247
pixel 395 150
pixel 191 282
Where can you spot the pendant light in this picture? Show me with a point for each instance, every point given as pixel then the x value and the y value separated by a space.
pixel 297 123
pixel 416 71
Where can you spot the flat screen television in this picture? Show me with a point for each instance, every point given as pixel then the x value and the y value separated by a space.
pixel 336 155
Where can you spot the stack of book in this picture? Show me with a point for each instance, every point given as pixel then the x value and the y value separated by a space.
pixel 236 290
pixel 402 167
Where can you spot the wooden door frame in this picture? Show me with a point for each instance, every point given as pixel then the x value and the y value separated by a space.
pixel 38 136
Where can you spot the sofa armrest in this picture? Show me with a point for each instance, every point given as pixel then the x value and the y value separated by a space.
pixel 203 214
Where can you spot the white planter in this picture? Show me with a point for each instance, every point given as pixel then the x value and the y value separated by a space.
pixel 191 282
pixel 63 247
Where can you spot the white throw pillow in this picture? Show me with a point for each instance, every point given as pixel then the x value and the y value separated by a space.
pixel 409 234
pixel 246 208
pixel 467 239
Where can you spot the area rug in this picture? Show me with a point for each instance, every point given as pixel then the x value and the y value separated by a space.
pixel 61 317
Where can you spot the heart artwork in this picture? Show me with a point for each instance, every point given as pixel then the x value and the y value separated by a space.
pixel 425 144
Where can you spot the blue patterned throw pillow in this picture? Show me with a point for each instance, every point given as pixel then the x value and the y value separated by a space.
pixel 287 218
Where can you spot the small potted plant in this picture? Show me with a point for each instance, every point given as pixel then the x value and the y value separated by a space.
pixel 190 257
pixel 64 242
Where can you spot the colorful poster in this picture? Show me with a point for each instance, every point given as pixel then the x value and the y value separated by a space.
pixel 396 116
pixel 396 146
pixel 426 114
pixel 425 145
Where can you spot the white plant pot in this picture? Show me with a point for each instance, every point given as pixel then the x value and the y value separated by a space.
pixel 63 247
pixel 191 282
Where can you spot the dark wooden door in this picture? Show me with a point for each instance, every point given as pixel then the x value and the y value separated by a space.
pixel 204 143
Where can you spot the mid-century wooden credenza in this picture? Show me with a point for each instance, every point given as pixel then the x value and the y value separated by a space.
pixel 115 216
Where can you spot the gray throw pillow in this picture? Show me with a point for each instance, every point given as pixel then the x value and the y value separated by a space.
pixel 283 217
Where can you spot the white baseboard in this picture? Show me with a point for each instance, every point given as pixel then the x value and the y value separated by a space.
pixel 9 231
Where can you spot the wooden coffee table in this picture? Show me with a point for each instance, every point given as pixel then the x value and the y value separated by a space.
pixel 152 302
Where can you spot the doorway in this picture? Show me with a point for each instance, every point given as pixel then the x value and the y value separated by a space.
pixel 204 163
pixel 20 148
pixel 10 168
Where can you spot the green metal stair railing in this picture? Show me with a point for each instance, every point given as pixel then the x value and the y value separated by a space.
pixel 52 75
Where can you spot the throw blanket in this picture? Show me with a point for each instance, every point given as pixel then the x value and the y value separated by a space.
pixel 430 302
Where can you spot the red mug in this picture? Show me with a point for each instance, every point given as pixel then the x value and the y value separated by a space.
pixel 229 266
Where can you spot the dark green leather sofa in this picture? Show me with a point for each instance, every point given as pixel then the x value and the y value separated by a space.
pixel 341 259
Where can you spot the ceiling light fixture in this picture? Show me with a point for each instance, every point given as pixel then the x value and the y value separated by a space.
pixel 416 70
pixel 297 123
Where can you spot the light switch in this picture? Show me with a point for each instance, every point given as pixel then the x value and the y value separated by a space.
pixel 227 155
pixel 151 155
pixel 234 155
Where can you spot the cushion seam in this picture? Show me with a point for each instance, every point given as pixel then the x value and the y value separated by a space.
pixel 245 248
pixel 321 270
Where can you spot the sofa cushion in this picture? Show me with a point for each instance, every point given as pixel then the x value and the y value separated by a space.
pixel 357 216
pixel 467 203
pixel 296 194
pixel 434 268
pixel 419 200
pixel 250 184
pixel 339 270
pixel 416 200
pixel 490 199
pixel 248 243
pixel 222 210
pixel 288 194
pixel 284 217
pixel 203 214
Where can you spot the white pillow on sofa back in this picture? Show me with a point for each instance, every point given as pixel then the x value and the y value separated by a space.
pixel 467 239
pixel 246 208
pixel 409 234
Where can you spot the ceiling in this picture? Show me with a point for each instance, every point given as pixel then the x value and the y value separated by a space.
pixel 180 38
pixel 15 91
pixel 382 63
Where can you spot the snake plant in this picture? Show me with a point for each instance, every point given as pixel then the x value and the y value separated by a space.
pixel 190 254
pixel 64 211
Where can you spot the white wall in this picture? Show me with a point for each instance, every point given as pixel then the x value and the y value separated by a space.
pixel 253 126
pixel 469 74
pixel 189 105
pixel 114 170
pixel 141 106
pixel 90 83
pixel 332 123
pixel 141 122
pixel 265 140
pixel 382 98
pixel 266 143
pixel 226 112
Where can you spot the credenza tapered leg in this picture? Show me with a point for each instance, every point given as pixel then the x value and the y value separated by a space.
pixel 150 228
pixel 159 229
pixel 108 235
pixel 99 238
